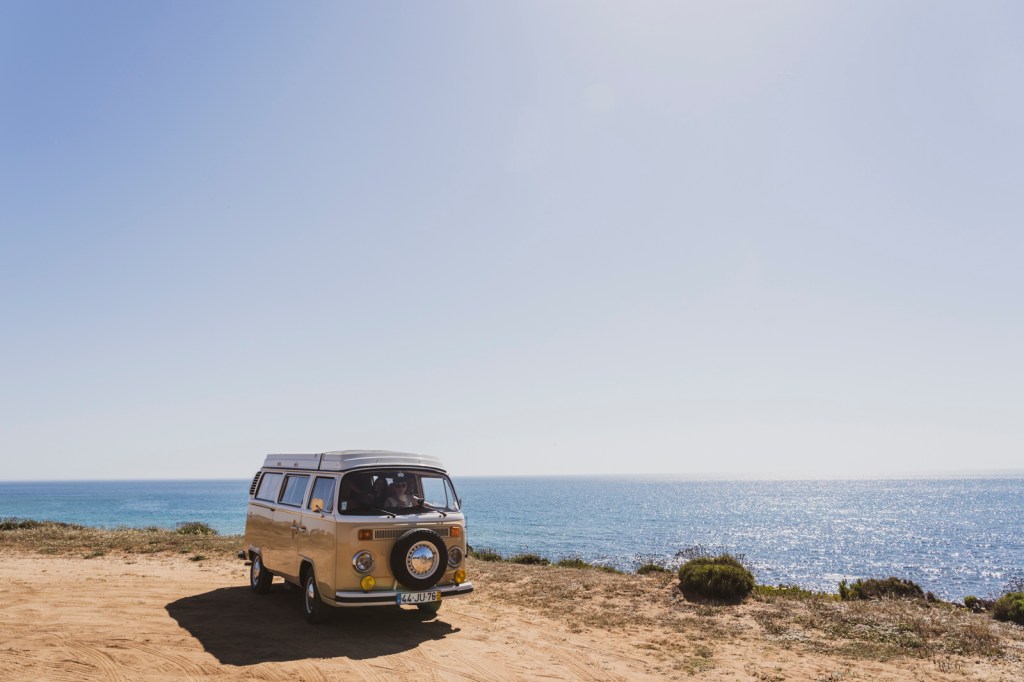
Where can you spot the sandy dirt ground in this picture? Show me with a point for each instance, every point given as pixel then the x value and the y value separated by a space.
pixel 168 618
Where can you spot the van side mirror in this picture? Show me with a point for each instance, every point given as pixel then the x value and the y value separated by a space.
pixel 317 505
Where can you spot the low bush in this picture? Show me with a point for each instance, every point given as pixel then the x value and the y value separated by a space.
pixel 880 588
pixel 1010 607
pixel 789 592
pixel 13 523
pixel 195 528
pixel 721 577
pixel 572 562
pixel 972 602
pixel 651 568
pixel 529 559
pixel 485 554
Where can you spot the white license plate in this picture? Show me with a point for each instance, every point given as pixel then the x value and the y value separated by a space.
pixel 418 597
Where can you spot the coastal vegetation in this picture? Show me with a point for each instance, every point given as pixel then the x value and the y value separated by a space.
pixel 195 528
pixel 720 577
pixel 878 588
pixel 55 537
pixel 1009 607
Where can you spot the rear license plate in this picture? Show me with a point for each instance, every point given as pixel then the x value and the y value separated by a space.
pixel 418 597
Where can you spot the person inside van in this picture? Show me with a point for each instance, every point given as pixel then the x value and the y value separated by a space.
pixel 399 495
pixel 380 492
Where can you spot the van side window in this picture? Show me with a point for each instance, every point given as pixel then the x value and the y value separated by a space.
pixel 294 490
pixel 323 490
pixel 270 486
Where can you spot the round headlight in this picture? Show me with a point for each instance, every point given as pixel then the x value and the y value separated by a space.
pixel 363 561
pixel 454 556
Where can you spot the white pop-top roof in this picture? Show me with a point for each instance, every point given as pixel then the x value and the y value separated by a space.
pixel 344 460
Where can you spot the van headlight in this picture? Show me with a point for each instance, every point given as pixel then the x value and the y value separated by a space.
pixel 363 561
pixel 454 556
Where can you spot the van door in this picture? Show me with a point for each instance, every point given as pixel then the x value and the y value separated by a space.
pixel 282 552
pixel 319 542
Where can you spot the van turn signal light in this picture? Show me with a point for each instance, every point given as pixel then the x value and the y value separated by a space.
pixel 365 534
pixel 367 583
pixel 456 531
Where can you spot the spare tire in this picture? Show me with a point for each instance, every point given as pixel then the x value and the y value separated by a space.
pixel 419 559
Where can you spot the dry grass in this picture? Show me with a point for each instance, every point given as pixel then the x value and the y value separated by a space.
pixel 65 539
pixel 789 618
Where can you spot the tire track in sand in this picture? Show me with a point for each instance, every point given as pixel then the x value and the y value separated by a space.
pixel 188 669
pixel 97 658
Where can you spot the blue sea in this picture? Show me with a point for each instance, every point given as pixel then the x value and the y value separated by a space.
pixel 952 536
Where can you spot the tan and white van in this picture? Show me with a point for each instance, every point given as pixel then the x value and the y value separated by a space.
pixel 357 528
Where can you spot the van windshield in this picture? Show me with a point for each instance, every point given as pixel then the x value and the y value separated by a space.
pixel 396 491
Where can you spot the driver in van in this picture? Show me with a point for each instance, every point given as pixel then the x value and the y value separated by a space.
pixel 398 495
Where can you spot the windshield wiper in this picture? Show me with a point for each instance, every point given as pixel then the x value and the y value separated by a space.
pixel 424 505
pixel 363 510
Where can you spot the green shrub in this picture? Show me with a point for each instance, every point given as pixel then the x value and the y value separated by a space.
pixel 1010 607
pixel 721 577
pixel 879 588
pixel 652 568
pixel 195 528
pixel 789 592
pixel 14 523
pixel 972 602
pixel 485 554
pixel 529 559
pixel 572 562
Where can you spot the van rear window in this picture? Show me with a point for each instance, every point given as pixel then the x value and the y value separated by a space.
pixel 270 486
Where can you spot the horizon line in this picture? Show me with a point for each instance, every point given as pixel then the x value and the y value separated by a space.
pixel 710 476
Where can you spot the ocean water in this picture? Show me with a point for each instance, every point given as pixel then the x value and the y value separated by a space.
pixel 952 536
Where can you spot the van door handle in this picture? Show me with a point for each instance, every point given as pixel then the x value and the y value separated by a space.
pixel 301 529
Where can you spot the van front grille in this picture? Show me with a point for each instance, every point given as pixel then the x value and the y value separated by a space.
pixel 395 533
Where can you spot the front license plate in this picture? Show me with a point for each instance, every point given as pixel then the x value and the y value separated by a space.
pixel 418 597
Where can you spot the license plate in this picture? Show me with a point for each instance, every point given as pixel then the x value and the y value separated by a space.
pixel 418 597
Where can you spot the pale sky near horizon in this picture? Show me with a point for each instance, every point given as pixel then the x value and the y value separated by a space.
pixel 530 238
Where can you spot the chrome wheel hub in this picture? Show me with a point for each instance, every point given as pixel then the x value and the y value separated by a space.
pixel 310 595
pixel 421 559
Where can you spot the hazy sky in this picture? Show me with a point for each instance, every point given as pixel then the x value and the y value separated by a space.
pixel 530 238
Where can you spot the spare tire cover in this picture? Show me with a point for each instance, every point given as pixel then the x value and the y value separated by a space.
pixel 419 559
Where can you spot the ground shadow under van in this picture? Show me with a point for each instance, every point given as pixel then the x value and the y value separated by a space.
pixel 241 628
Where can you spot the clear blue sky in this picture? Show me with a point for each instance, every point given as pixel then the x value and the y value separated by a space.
pixel 530 238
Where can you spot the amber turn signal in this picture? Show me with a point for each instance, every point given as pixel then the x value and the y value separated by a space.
pixel 456 531
pixel 365 534
pixel 367 583
pixel 460 576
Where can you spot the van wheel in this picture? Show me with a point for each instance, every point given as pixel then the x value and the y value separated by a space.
pixel 260 578
pixel 430 607
pixel 316 610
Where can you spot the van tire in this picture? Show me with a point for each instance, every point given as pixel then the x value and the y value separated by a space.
pixel 260 578
pixel 430 607
pixel 400 552
pixel 314 607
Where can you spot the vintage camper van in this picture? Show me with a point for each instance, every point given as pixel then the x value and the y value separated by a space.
pixel 357 528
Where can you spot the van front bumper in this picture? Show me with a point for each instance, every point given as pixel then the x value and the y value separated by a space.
pixel 390 597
